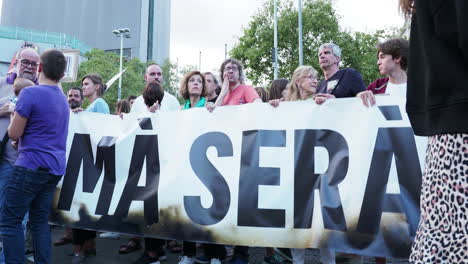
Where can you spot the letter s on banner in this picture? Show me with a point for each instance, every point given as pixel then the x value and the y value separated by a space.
pixel 211 178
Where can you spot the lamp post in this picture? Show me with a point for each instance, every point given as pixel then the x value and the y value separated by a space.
pixel 275 42
pixel 121 33
pixel 301 62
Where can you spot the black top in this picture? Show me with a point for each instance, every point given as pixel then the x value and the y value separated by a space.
pixel 344 83
pixel 437 96
pixel 213 100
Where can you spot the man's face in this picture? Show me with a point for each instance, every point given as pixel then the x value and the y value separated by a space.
pixel 74 99
pixel 210 84
pixel 154 74
pixel 387 64
pixel 232 72
pixel 327 59
pixel 27 64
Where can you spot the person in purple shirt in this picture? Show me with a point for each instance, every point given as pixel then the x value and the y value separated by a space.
pixel 40 125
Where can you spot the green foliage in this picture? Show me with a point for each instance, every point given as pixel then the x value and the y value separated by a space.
pixel 320 25
pixel 173 76
pixel 106 64
pixel 171 80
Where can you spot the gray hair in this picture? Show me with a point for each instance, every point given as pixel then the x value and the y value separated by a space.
pixel 335 49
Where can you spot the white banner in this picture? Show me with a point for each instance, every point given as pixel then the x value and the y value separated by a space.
pixel 339 175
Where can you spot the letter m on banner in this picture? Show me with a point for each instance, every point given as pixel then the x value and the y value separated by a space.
pixel 82 153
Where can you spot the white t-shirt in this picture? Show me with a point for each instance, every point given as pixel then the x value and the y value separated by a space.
pixel 169 103
pixel 396 89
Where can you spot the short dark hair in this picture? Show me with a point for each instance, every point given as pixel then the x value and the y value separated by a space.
pixel 131 97
pixel 277 87
pixel 53 64
pixel 96 79
pixel 79 90
pixel 398 48
pixel 123 106
pixel 153 92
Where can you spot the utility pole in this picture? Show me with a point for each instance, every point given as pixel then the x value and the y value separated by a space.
pixel 225 51
pixel 301 61
pixel 199 62
pixel 275 49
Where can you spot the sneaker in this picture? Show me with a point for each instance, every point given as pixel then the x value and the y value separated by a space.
pixel 285 253
pixel 187 260
pixel 109 235
pixel 206 260
pixel 28 252
pixel 146 259
pixel 215 261
pixel 229 251
pixel 77 259
pixel 273 259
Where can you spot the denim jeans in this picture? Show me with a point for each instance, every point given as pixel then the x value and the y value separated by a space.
pixel 6 169
pixel 27 190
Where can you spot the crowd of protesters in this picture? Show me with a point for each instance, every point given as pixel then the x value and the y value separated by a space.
pixel 34 114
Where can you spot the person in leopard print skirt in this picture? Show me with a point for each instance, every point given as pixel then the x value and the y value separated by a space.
pixel 437 105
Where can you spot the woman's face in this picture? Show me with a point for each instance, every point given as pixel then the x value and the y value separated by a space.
pixel 89 88
pixel 308 84
pixel 210 83
pixel 195 85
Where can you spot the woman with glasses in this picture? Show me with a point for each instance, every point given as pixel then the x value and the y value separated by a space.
pixel 303 86
pixel 234 92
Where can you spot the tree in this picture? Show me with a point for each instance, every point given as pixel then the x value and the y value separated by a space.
pixel 106 64
pixel 320 25
pixel 172 77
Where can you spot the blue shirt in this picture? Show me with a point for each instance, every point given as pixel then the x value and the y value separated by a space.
pixel 43 143
pixel 98 106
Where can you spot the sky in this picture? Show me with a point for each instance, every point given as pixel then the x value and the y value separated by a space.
pixel 207 25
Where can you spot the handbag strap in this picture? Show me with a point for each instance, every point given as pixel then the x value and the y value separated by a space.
pixel 5 139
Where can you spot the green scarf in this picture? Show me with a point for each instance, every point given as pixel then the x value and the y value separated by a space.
pixel 200 103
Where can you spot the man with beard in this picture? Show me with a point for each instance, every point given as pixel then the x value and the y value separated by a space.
pixel 26 67
pixel 40 123
pixel 75 97
pixel 75 100
pixel 154 251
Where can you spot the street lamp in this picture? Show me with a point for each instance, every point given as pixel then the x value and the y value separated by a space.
pixel 121 33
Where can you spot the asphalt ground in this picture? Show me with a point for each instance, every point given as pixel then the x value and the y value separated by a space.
pixel 107 252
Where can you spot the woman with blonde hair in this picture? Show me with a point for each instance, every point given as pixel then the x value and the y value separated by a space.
pixel 303 85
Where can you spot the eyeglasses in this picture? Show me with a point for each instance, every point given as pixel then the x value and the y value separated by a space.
pixel 231 68
pixel 26 63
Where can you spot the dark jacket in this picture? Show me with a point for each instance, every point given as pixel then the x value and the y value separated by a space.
pixel 347 83
pixel 437 97
pixel 379 86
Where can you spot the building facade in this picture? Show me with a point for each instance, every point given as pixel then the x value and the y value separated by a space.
pixel 92 22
